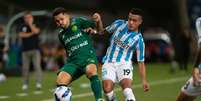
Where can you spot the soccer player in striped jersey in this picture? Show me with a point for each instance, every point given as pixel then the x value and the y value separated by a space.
pixel 117 68
pixel 192 88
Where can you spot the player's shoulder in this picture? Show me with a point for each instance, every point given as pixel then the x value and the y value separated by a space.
pixel 119 21
pixel 140 36
pixel 61 30
pixel 77 20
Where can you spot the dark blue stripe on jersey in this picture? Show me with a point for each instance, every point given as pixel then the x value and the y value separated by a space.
pixel 120 34
pixel 141 46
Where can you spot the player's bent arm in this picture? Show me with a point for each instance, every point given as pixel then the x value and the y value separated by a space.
pixel 25 34
pixel 98 22
pixel 34 29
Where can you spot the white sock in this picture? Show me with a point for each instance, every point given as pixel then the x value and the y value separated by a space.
pixel 110 96
pixel 128 93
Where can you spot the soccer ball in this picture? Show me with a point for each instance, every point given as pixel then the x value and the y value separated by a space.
pixel 63 93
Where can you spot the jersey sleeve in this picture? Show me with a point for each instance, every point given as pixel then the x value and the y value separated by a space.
pixel 198 28
pixel 140 49
pixel 113 27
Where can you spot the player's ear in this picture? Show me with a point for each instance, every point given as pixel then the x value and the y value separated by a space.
pixel 140 20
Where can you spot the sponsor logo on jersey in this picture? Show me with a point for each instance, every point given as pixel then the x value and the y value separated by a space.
pixel 79 46
pixel 72 37
pixel 120 43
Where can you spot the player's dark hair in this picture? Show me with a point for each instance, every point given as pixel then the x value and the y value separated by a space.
pixel 137 11
pixel 59 10
pixel 27 12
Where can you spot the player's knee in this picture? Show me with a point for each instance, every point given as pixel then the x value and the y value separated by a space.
pixel 63 78
pixel 107 89
pixel 126 83
pixel 91 70
pixel 107 86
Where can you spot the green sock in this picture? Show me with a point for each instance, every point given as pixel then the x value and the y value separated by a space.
pixel 96 86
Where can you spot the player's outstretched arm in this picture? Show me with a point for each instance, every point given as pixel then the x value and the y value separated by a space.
pixel 142 71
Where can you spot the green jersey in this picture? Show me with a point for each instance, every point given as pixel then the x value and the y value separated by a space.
pixel 77 43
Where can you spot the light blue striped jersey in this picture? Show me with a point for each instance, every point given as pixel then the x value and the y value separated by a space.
pixel 123 43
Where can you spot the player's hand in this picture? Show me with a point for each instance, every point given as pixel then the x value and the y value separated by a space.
pixel 146 86
pixel 90 30
pixel 196 77
pixel 96 17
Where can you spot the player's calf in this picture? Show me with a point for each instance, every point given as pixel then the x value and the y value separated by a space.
pixel 128 93
pixel 111 96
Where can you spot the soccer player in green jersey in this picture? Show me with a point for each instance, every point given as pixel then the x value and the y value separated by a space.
pixel 81 56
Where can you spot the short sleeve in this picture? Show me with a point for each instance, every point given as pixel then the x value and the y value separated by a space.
pixel 113 27
pixel 140 49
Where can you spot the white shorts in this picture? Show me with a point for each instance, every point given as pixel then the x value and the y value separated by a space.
pixel 190 89
pixel 117 71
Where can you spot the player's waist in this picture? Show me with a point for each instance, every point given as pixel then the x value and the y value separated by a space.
pixel 114 60
pixel 79 56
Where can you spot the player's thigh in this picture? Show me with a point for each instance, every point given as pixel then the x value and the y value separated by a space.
pixel 91 65
pixel 124 71
pixel 109 72
pixel 73 70
pixel 190 89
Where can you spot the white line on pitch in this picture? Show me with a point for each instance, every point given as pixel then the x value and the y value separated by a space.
pixel 154 83
pixel 22 94
pixel 4 97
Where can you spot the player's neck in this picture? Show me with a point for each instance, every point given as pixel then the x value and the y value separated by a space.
pixel 136 31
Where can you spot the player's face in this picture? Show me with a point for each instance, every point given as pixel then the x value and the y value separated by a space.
pixel 134 22
pixel 28 19
pixel 62 20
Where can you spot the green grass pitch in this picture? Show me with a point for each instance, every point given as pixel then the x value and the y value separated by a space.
pixel 164 86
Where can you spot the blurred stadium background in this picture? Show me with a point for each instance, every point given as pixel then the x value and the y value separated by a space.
pixel 168 30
